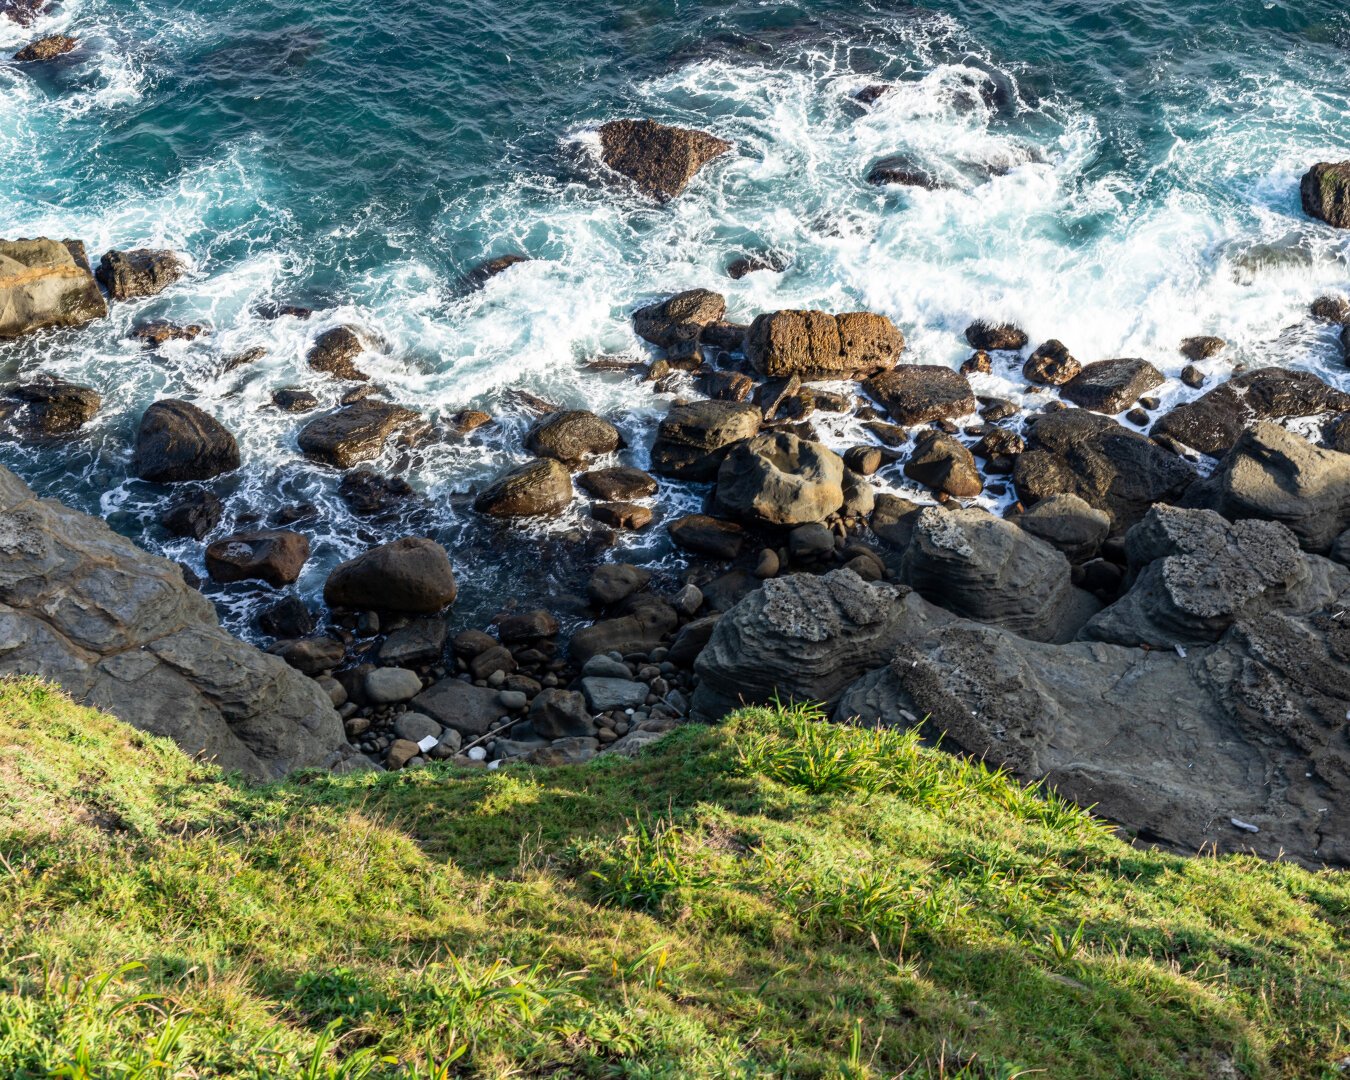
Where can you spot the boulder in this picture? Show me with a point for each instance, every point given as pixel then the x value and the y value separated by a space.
pixel 616 581
pixel 893 520
pixel 1194 574
pixel 1068 523
pixel 275 556
pixel 944 464
pixel 24 12
pixel 49 407
pixel 156 332
pixel 995 337
pixel 177 441
pixel 47 48
pixel 335 352
pixel 193 515
pixel 561 714
pixel 287 618
pixel 778 479
pixel 643 630
pixel 129 275
pixel 371 494
pixel 803 638
pixel 981 567
pixel 817 345
pixel 1331 309
pixel 1213 422
pixel 602 695
pixel 454 703
pixel 1112 386
pixel 620 515
pixel 1202 348
pixel 412 726
pixel 354 433
pixel 540 489
pixel 294 400
pixel 422 641
pixel 571 437
pixel 391 685
pixel 528 626
pixel 1109 467
pixel 1051 365
pixel 119 630
pixel 1325 192
pixel 704 535
pixel 920 393
pixel 680 319
pixel 659 159
pixel 411 575
pixel 619 484
pixel 1275 475
pixel 692 439
pixel 311 655
pixel 44 283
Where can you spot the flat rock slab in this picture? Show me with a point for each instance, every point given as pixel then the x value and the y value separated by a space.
pixel 605 694
pixel 472 710
pixel 1112 386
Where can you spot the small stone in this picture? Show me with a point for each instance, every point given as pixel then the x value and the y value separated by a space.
pixel 387 686
pixel 689 600
pixel 512 700
pixel 400 754
pixel 415 727
pixel 768 564
pixel 1192 376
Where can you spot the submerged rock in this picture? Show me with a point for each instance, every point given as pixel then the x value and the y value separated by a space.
pixel 335 351
pixel 157 332
pixel 43 284
pixel 129 275
pixel 411 575
pixel 49 407
pixel 485 271
pixel 177 442
pixel 661 160
pixel 1325 192
pixel 817 345
pixel 354 433
pixel 193 515
pixel 903 171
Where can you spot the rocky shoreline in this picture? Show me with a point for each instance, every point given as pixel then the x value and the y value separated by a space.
pixel 1187 566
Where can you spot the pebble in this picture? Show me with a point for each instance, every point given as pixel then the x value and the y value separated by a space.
pixel 478 753
pixel 603 666
pixel 512 700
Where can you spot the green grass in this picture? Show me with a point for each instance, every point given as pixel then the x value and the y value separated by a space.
pixel 775 897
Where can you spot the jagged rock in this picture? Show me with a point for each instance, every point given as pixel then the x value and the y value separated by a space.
pixel 1331 309
pixel 1202 348
pixel 692 439
pixel 47 48
pixel 49 407
pixel 335 352
pixel 903 171
pixel 1213 422
pixel 422 641
pixel 177 441
pixel 1109 467
pixel 293 400
pixel 453 703
pixel 1177 748
pixel 817 345
pixel 354 433
pixel 982 567
pixel 571 437
pixel 485 271
pixel 998 448
pixel 1068 523
pixel 620 515
pixel 119 630
pixel 44 283
pixel 1051 365
pixel 561 714
pixel 24 12
pixel 156 332
pixel 659 159
pixel 802 638
pixel 1112 386
pixel 995 337
pixel 709 536
pixel 602 695
pixel 779 479
pixel 540 489
pixel 1325 191
pixel 193 515
pixel 616 581
pixel 869 95
pixel 944 464
pixel 919 393
pixel 410 575
pixel 751 264
pixel 691 640
pixel 680 319
pixel 641 631
pixel 129 275
pixel 1194 575
pixel 1275 475
pixel 275 556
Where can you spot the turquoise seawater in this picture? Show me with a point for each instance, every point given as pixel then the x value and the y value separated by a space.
pixel 1123 174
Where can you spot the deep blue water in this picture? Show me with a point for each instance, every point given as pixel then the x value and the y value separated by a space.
pixel 360 157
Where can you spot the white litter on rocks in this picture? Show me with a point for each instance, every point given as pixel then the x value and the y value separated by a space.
pixel 427 743
pixel 1245 826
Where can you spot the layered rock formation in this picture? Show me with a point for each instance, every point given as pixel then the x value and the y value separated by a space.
pixel 44 283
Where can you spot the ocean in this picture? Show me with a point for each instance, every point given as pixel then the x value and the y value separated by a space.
pixel 1117 175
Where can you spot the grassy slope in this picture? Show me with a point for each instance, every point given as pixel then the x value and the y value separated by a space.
pixel 696 912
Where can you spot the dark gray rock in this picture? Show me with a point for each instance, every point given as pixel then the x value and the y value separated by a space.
pixel 614 582
pixel 1068 523
pixel 454 703
pixel 995 337
pixel 422 641
pixel 642 631
pixel 49 407
pixel 411 575
pixel 177 442
pixel 1325 192
pixel 602 695
pixel 193 515
pixel 561 714
pixel 1112 386
pixel 275 556
pixel 920 393
pixel 692 439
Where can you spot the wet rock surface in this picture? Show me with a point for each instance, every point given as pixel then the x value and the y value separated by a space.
pixel 659 159
pixel 45 283
pixel 141 272
pixel 178 441
pixel 354 433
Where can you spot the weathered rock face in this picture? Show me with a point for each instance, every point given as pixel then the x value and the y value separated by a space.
pixel 919 393
pixel 679 319
pixel 539 489
pixel 1112 386
pixel 659 159
pixel 992 337
pixel 275 556
pixel 1326 193
pixel 1051 365
pixel 45 283
pixel 49 408
pixel 23 12
pixel 335 352
pixel 817 345
pixel 1213 422
pixel 128 275
pixel 411 575
pixel 354 433
pixel 1107 466
pixel 193 515
pixel 621 483
pixel 119 630
pixel 1195 575
pixel 571 437
pixel 47 48
pixel 177 442
pixel 944 464
pixel 1202 348
pixel 692 440
pixel 1275 475
pixel 646 628
pixel 709 536
pixel 982 567
pixel 779 479
pixel 804 638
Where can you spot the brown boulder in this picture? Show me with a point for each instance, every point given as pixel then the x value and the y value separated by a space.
pixel 942 463
pixel 353 433
pixel 659 159
pixel 692 440
pixel 334 351
pixel 817 345
pixel 51 407
pixel 619 484
pixel 128 275
pixel 45 283
pixel 571 437
pixel 177 441
pixel 919 393
pixel 1325 191
pixel 274 556
pixel 48 48
pixel 709 536
pixel 1112 386
pixel 1051 365
pixel 995 337
pixel 679 319
pixel 411 575
pixel 540 489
